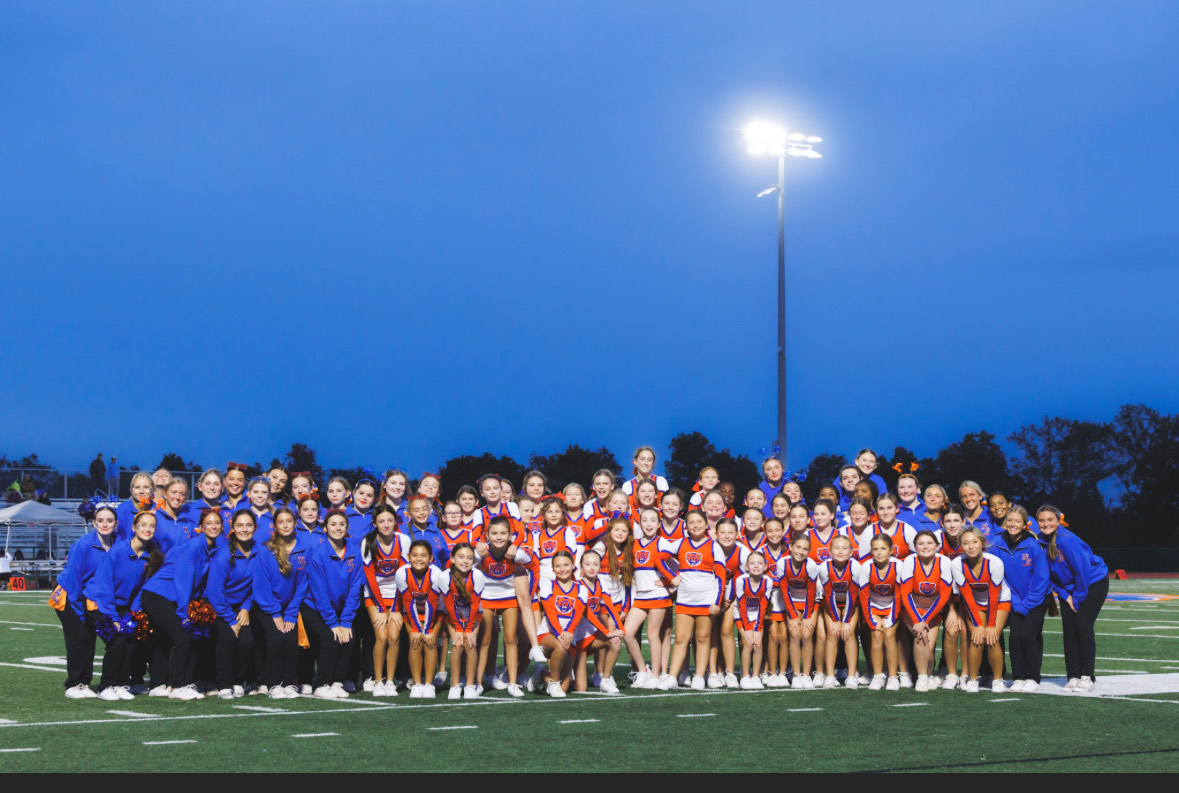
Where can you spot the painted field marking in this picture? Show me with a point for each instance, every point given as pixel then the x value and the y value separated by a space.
pixel 132 714
pixel 30 666
pixel 33 624
pixel 694 715
pixel 1168 622
pixel 1125 635
pixel 165 743
pixel 20 629
pixel 802 710
pixel 30 749
pixel 315 734
pixel 58 660
pixel 260 709
pixel 911 705
pixel 579 721
pixel 1111 658
pixel 8 721
pixel 1134 628
pixel 455 727
pixel 1006 699
pixel 1142 699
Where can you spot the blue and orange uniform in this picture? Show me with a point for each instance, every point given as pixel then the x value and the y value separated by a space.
pixel 880 596
pixel 417 598
pixel 984 594
pixel 841 593
pixel 701 571
pixel 926 588
pixel 750 601
pixel 800 587
pixel 649 589
pixel 462 614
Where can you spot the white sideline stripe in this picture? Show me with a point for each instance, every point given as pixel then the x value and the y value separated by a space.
pixel 259 708
pixel 30 749
pixel 1006 699
pixel 1133 628
pixel 1143 699
pixel 1124 635
pixel 1168 622
pixel 20 629
pixel 164 743
pixel 802 710
pixel 134 716
pixel 30 666
pixel 911 705
pixel 579 721
pixel 455 727
pixel 31 605
pixel 694 715
pixel 314 734
pixel 7 721
pixel 34 624
pixel 1111 658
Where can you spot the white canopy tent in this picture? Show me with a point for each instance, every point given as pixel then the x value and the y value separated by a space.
pixel 36 525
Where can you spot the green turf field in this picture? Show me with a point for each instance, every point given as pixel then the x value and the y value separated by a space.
pixel 1129 724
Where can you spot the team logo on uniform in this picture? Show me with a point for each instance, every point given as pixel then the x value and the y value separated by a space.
pixel 497 569
pixel 641 557
pixel 564 603
pixel 980 587
pixel 350 564
pixel 301 562
pixel 796 583
pixel 593 604
pixel 839 586
pixel 927 588
pixel 882 589
pixel 824 554
pixel 419 600
pixel 549 547
pixel 694 558
pixel 387 566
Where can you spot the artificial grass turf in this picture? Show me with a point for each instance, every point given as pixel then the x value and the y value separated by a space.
pixel 773 730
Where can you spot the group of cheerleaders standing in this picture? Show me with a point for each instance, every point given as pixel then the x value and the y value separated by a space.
pixel 267 586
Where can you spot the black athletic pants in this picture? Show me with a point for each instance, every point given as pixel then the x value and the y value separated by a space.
pixel 1080 643
pixel 235 654
pixel 80 641
pixel 1027 643
pixel 172 659
pixel 331 657
pixel 282 650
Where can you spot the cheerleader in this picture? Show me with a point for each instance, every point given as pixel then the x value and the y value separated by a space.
pixel 166 598
pixel 823 532
pixel 174 523
pixel 310 522
pixel 280 585
pixel 771 484
pixel 780 508
pixel 301 484
pixel 859 529
pixel 974 503
pixel 601 629
pixel 798 522
pixel 706 482
pixel 395 490
pixel 573 496
pixel 453 530
pixel 602 486
pixel 383 552
pixel 750 599
pixel 229 587
pixel 617 566
pixel 793 492
pixel 280 496
pixel 338 492
pixel 114 590
pixel 430 486
pixel 838 576
pixel 714 508
pixel 334 574
pixel 417 598
pixel 554 535
pixel 926 589
pixel 235 487
pixel 142 492
pixel 935 501
pixel 910 507
pixel 986 602
pixel 798 577
pixel 501 565
pixel 159 480
pixel 210 485
pixel 849 477
pixel 649 603
pixel 645 496
pixel 755 499
pixel 724 644
pixel 1080 579
pixel 644 467
pixel 461 588
pixel 880 603
pixel 535 486
pixel 698 580
pixel 671 506
pixel 829 493
pixel 619 506
pixel 258 497
pixel 491 487
pixel 954 637
pixel 562 600
pixel 468 501
pixel 752 534
pixel 901 534
pixel 82 563
pixel 422 525
pixel 778 650
pixel 865 465
pixel 360 520
pixel 1025 567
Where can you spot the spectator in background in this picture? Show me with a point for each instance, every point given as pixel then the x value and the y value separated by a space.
pixel 112 475
pixel 28 488
pixel 98 472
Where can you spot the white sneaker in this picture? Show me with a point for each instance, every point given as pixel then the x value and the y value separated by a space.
pixel 431 692
pixel 186 693
pixel 877 683
pixel 474 692
pixel 971 686
pixel 303 690
pixel 641 679
pixel 1072 684
pixel 1086 684
pixel 922 684
pixel 596 679
pixel 294 692
pixel 851 682
pixel 1017 685
pixel 863 680
pixel 324 692
pixel 894 684
pixel 608 686
pixel 514 690
pixel 278 692
pixel 340 690
pixel 797 683
pixel 716 680
pixel 110 694
pixel 456 692
pixel 238 691
pixel 764 677
pixel 829 681
pixel 225 693
pixel 253 690
pixel 950 683
pixel 415 691
pixel 554 689
pixel 80 691
pixel 124 693
pixel 730 680
pixel 440 679
pixel 666 683
pixel 698 683
pixel 818 679
pixel 536 655
pixel 997 685
pixel 370 685
pixel 746 683
pixel 160 691
pixel 1029 686
pixel 683 680
pixel 498 683
pixel 783 680
pixel 905 679
pixel 756 684
pixel 378 689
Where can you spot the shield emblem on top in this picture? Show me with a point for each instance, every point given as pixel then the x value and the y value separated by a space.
pixel 497 569
pixel 693 558
pixel 824 554
pixel 564 604
pixel 549 547
pixel 927 588
pixel 642 556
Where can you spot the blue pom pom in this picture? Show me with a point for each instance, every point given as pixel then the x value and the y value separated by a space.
pixel 776 449
pixel 761 452
pixel 801 475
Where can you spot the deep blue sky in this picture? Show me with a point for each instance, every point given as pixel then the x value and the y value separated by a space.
pixel 404 231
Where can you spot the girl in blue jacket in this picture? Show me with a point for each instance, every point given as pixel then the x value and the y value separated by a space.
pixel 336 575
pixel 279 571
pixel 84 558
pixel 1025 567
pixel 114 589
pixel 166 597
pixel 1081 580
pixel 142 497
pixel 229 587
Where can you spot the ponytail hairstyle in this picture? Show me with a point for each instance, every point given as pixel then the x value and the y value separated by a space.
pixel 278 545
pixel 566 554
pixel 621 566
pixel 1053 551
pixel 155 558
pixel 1023 514
pixel 370 539
pixel 233 542
pixel 458 582
pixel 654 458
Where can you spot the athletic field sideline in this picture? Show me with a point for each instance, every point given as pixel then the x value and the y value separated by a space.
pixel 1127 724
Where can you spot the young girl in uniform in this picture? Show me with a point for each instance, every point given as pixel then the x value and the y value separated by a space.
pixel 562 601
pixel 417 594
pixel 849 477
pixel 724 645
pixel 617 567
pixel 798 523
pixel 798 577
pixel 771 484
pixel 338 491
pixel 644 467
pixel 1025 567
pixel 491 486
pixel 602 486
pixel 793 491
pixel 901 534
pixel 974 505
pixel 279 570
pixel 453 530
pixel 310 521
pixel 82 563
pixel 752 535
pixel 258 503
pixel 468 500
pixel 360 520
pixel 280 496
pixel 644 497
pixel 114 590
pixel 859 529
pixel 954 637
pixel 935 501
pixel 823 532
pixel 430 486
pixel 926 589
pixel 698 580
pixel 619 506
pixel 714 509
pixel 775 549
pixel 555 535
pixel 670 509
pixel 880 603
pixel 501 565
pixel 600 630
pixel 234 497
pixel 535 486
pixel 394 492
pixel 986 602
pixel 755 499
pixel 841 597
pixel 228 586
pixel 174 522
pixel 384 552
pixel 335 576
pixel 461 588
pixel 142 492
pixel 706 482
pixel 210 486
pixel 650 602
pixel 301 484
pixel 751 600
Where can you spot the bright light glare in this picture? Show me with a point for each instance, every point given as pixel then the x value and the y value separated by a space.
pixel 814 155
pixel 757 148
pixel 814 139
pixel 798 137
pixel 765 134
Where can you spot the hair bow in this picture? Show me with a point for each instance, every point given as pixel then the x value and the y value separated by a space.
pixel 236 467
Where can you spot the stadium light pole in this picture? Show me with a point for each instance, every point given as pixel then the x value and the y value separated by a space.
pixel 772 140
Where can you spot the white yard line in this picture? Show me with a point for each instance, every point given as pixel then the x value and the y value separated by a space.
pixel 132 714
pixel 30 749
pixel 315 734
pixel 165 743
pixel 455 727
pixel 579 721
